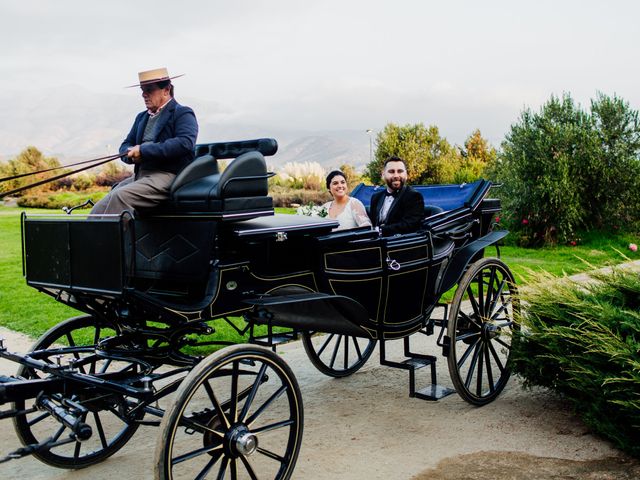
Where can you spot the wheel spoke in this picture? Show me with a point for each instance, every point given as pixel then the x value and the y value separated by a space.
pixel 464 336
pixel 265 405
pixel 271 455
pixel 465 355
pixel 216 404
pixel 335 351
pixel 474 303
pixel 355 344
pixel 480 282
pixel 324 345
pixel 472 367
pixel 103 438
pixel 223 468
pixel 234 469
pixel 233 407
pixel 273 426
pixel 487 361
pixel 480 365
pixel 216 449
pixel 503 343
pixel 471 320
pixel 39 418
pixel 207 468
pixel 494 354
pixel 252 394
pixel 489 297
pixel 248 467
pixel 346 352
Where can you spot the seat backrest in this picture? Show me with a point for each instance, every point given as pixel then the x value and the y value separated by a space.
pixel 430 210
pixel 201 167
pixel 246 176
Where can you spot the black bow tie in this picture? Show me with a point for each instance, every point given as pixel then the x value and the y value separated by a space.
pixel 393 194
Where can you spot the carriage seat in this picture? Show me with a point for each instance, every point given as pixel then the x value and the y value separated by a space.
pixel 431 210
pixel 240 191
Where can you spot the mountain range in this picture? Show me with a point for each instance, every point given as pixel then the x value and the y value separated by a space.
pixel 73 124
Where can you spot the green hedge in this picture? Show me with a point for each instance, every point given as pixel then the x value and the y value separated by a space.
pixel 583 341
pixel 57 200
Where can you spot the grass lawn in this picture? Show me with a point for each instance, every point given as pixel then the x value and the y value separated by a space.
pixel 25 310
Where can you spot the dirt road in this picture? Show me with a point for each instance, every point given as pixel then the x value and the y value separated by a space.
pixel 366 427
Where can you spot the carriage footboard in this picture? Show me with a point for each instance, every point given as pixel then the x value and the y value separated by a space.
pixel 317 312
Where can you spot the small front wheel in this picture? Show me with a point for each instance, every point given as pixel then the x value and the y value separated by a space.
pixel 75 339
pixel 338 355
pixel 480 328
pixel 238 414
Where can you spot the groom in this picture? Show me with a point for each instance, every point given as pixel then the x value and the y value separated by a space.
pixel 399 208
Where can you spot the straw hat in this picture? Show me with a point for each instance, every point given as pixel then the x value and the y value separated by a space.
pixel 153 76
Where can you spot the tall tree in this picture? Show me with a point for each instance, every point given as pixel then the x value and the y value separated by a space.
pixel 615 173
pixel 428 156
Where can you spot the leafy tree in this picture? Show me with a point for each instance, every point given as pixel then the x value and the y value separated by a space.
pixel 29 160
pixel 353 177
pixel 614 176
pixel 566 169
pixel 476 157
pixel 541 166
pixel 428 156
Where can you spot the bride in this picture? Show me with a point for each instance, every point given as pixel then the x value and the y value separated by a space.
pixel 350 212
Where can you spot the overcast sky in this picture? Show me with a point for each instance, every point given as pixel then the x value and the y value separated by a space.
pixel 337 64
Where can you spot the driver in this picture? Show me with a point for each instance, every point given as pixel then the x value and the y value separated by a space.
pixel 160 143
pixel 399 208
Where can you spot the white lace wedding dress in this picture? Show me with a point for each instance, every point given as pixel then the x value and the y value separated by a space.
pixel 354 214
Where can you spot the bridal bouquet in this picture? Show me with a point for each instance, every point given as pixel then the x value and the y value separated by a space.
pixel 312 210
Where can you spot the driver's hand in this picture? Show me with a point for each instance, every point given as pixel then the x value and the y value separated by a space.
pixel 134 154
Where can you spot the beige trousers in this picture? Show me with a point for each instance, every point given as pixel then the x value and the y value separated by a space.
pixel 145 191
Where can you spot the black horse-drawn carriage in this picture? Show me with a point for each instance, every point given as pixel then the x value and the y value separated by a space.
pixel 154 287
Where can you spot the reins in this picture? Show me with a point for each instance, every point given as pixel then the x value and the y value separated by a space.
pixel 99 161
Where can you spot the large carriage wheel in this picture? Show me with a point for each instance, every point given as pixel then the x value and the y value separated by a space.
pixel 238 414
pixel 110 432
pixel 338 355
pixel 480 329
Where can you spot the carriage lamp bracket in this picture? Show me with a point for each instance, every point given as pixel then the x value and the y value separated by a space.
pixel 68 210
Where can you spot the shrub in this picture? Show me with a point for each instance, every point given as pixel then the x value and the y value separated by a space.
pixel 583 341
pixel 307 175
pixel 61 199
pixel 565 169
pixel 285 197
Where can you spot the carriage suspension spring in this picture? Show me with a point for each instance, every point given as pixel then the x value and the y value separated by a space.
pixel 70 414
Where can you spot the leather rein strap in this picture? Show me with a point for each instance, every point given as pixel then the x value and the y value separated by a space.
pixel 99 161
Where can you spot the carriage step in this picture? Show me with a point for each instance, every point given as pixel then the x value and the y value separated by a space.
pixel 275 339
pixel 431 392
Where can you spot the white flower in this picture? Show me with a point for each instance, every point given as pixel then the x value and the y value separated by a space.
pixel 311 210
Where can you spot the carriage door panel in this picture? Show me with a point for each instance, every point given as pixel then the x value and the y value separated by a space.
pixel 407 265
pixel 356 270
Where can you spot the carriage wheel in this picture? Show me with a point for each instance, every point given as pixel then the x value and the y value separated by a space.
pixel 238 414
pixel 110 432
pixel 480 329
pixel 338 355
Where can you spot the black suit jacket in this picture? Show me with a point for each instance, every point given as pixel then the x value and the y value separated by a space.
pixel 405 215
pixel 174 139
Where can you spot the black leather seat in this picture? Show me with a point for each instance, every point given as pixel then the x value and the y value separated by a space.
pixel 239 192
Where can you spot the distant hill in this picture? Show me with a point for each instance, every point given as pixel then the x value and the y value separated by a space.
pixel 73 124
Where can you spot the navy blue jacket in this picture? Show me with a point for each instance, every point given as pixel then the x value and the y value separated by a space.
pixel 175 138
pixel 405 215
